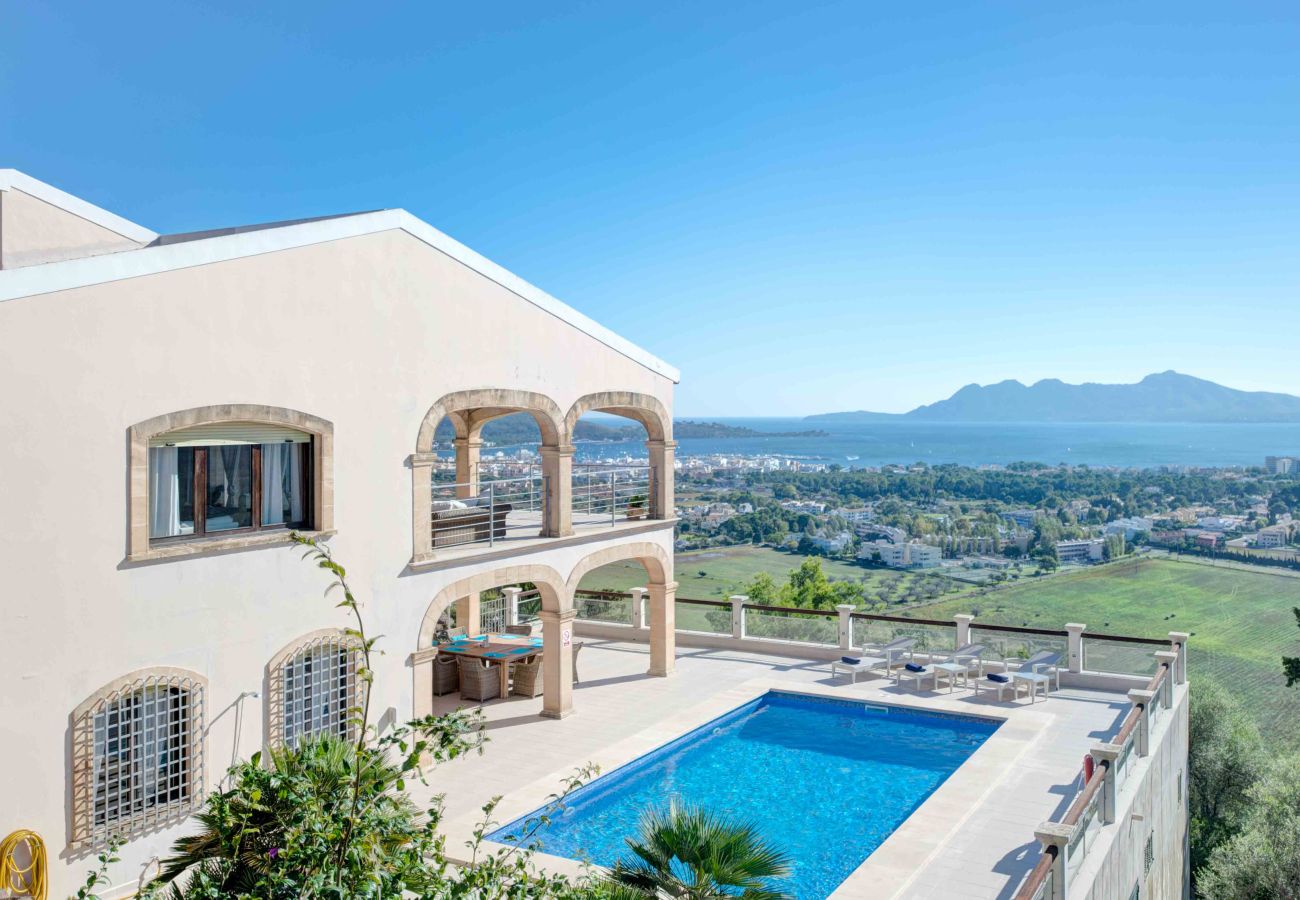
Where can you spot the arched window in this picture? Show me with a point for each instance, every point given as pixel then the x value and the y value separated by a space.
pixel 137 754
pixel 315 688
pixel 219 477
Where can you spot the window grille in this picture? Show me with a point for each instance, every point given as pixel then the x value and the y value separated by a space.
pixel 139 757
pixel 1149 854
pixel 317 690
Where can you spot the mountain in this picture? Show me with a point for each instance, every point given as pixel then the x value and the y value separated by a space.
pixel 1162 397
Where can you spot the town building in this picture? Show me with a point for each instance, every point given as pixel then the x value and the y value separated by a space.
pixel 911 555
pixel 1080 552
pixel 1273 537
pixel 1130 527
pixel 1023 518
pixel 1281 465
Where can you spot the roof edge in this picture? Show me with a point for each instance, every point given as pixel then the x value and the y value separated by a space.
pixel 12 179
pixel 46 278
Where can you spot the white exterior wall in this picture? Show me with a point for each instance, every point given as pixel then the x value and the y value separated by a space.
pixel 366 332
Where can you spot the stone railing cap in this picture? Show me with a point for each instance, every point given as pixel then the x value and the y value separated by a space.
pixel 1054 833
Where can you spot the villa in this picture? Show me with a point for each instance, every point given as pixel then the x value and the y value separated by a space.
pixel 227 387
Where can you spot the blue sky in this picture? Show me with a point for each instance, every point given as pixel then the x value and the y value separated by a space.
pixel 806 207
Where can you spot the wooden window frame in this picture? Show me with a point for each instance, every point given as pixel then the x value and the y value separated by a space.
pixel 200 489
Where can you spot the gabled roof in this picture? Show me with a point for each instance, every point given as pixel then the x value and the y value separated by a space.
pixel 168 253
pixel 12 179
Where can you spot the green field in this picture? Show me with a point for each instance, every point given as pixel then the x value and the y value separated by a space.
pixel 1240 621
pixel 720 572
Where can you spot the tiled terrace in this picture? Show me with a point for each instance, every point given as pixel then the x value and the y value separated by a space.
pixel 973 838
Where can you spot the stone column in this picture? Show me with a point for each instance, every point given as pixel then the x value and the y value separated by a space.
pixel 1076 645
pixel 468 613
pixel 1109 754
pixel 846 626
pixel 1054 834
pixel 512 604
pixel 557 474
pixel 1143 700
pixel 467 456
pixel 1170 659
pixel 422 506
pixel 638 607
pixel 662 455
pixel 422 690
pixel 963 628
pixel 557 663
pixel 663 628
pixel 738 602
pixel 1178 643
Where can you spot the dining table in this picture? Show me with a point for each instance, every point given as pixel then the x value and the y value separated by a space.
pixel 498 650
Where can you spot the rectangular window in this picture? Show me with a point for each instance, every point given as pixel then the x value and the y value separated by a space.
pixel 213 483
pixel 141 753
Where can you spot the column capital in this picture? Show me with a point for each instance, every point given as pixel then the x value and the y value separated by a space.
pixel 559 450
pixel 562 616
pixel 1108 752
pixel 1167 656
pixel 423 460
pixel 471 443
pixel 661 445
pixel 1055 834
pixel 1140 697
pixel 668 587
pixel 1178 637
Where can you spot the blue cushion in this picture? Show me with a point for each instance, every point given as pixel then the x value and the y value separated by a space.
pixel 913 667
pixel 1000 679
pixel 851 660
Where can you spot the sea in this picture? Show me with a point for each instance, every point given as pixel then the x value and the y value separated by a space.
pixel 976 444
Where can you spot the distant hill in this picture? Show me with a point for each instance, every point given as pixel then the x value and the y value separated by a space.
pixel 1163 397
pixel 689 429
pixel 520 428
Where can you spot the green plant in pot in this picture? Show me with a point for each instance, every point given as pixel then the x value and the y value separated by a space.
pixel 636 507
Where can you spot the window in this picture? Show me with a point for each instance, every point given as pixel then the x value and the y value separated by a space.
pixel 228 477
pixel 316 689
pixel 1149 854
pixel 138 754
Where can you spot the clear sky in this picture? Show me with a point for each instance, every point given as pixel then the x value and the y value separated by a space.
pixel 805 206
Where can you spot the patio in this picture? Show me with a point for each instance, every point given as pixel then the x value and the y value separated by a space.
pixel 1027 774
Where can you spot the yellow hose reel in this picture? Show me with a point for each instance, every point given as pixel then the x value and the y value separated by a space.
pixel 28 877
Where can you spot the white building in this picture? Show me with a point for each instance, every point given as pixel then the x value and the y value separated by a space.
pixel 912 555
pixel 1281 465
pixel 1023 518
pixel 1078 552
pixel 1273 537
pixel 187 400
pixel 856 516
pixel 1129 527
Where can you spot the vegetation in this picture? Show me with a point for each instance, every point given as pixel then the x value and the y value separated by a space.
pixel 1240 621
pixel 689 429
pixel 691 853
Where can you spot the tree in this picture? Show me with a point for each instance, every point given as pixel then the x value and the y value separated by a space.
pixel 1262 862
pixel 1291 664
pixel 1225 756
pixel 690 853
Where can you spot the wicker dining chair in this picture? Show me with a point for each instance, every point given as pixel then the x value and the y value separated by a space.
pixel 576 648
pixel 522 630
pixel 477 681
pixel 527 677
pixel 446 674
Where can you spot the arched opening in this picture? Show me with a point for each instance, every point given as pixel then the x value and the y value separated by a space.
pixel 647 606
pixel 483 469
pixel 517 597
pixel 623 468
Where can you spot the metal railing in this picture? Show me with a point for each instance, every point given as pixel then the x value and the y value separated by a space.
pixel 610 493
pixel 487 511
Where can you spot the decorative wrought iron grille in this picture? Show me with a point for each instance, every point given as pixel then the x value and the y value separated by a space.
pixel 317 691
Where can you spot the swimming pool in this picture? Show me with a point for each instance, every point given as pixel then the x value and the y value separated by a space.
pixel 824 779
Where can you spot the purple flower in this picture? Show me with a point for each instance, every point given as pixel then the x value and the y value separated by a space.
pixel 273 853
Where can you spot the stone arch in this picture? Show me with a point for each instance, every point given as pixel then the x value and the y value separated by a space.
pixel 469 410
pixel 555 596
pixel 643 408
pixel 658 563
pixel 139 435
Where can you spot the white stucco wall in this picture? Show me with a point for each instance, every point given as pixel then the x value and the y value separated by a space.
pixel 365 332
pixel 33 232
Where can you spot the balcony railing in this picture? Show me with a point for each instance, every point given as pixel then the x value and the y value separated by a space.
pixel 487 511
pixel 610 494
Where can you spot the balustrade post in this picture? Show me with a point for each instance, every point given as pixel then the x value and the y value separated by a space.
pixel 963 621
pixel 662 476
pixel 468 451
pixel 738 602
pixel 1142 700
pixel 663 628
pixel 1167 658
pixel 1076 645
pixel 638 607
pixel 1058 835
pixel 1178 643
pixel 1109 755
pixel 512 604
pixel 557 496
pixel 846 626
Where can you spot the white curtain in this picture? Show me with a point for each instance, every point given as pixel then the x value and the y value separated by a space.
pixel 164 493
pixel 295 452
pixel 273 483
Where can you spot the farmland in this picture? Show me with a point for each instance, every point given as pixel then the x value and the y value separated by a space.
pixel 1240 621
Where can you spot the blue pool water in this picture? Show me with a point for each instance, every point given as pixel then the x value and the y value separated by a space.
pixel 826 780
